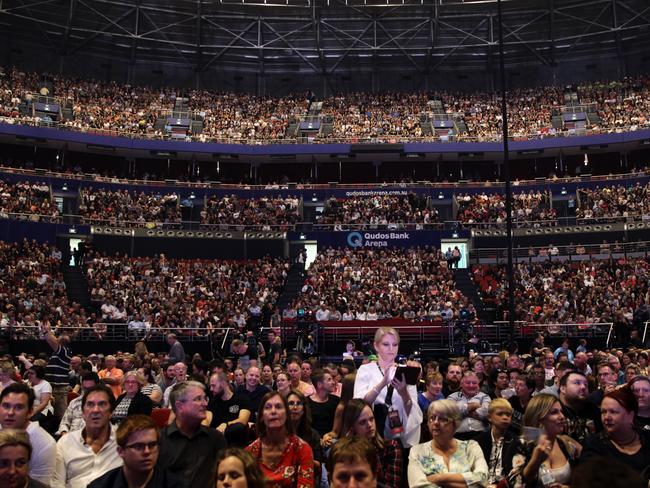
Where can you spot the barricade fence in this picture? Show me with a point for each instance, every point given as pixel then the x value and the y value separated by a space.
pixel 437 333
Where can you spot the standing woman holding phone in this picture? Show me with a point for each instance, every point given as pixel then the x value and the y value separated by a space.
pixel 395 404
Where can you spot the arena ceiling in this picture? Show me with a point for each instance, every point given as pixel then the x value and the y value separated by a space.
pixel 330 36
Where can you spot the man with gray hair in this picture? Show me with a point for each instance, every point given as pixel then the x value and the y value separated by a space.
pixel 188 448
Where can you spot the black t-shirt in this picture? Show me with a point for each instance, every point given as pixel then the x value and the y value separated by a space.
pixel 273 349
pixel 536 345
pixel 228 410
pixel 254 397
pixel 579 424
pixel 598 445
pixel 322 414
pixel 447 390
pixel 244 359
pixel 518 412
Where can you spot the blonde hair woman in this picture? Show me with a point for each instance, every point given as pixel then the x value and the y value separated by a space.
pixel 552 454
pixel 397 402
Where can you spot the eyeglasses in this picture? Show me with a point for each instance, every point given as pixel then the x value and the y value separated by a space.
pixel 439 419
pixel 141 446
pixel 294 403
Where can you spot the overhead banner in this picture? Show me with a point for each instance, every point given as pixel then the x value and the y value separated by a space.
pixel 378 239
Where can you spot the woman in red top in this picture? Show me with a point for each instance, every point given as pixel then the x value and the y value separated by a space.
pixel 286 460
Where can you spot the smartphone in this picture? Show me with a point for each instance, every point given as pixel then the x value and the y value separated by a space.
pixel 411 373
pixel 531 434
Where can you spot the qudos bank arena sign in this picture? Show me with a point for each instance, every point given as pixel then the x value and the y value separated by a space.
pixel 378 239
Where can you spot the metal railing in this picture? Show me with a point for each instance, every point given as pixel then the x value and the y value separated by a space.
pixel 577 252
pixel 528 330
pixel 431 185
pixel 197 225
pixel 119 331
pixel 387 139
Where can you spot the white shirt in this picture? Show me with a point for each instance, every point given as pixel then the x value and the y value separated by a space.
pixel 43 458
pixel 471 424
pixel 42 388
pixel 322 314
pixel 369 375
pixel 76 463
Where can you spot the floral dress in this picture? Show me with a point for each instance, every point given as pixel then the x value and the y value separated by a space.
pixel 296 466
pixel 467 461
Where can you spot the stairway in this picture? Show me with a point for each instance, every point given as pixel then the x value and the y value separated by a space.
pixel 292 287
pixel 466 285
pixel 76 285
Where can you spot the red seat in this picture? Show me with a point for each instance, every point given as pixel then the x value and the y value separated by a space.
pixel 72 395
pixel 161 416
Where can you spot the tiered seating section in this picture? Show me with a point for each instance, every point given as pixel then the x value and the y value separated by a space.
pixel 589 291
pixel 242 118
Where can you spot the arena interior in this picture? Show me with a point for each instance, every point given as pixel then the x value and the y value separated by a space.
pixel 263 182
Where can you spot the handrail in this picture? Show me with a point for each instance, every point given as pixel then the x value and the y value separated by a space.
pixel 76 219
pixel 575 329
pixel 645 331
pixel 491 185
pixel 388 139
pixel 577 250
pixel 115 331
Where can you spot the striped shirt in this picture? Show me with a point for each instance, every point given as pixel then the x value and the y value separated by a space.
pixel 58 367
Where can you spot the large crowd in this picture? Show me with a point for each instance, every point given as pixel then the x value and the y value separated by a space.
pixel 153 208
pixel 128 208
pixel 32 290
pixel 528 208
pixel 362 284
pixel 581 292
pixel 267 213
pixel 27 200
pixel 378 210
pixel 262 416
pixel 155 295
pixel 133 110
pixel 614 201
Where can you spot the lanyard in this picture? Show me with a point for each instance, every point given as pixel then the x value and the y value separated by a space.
pixel 389 393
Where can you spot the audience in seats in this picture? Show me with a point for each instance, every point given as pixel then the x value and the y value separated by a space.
pixel 363 284
pixel 552 454
pixel 379 211
pixel 286 460
pixel 268 213
pixel 353 462
pixel 359 422
pixel 188 448
pixel 129 208
pixel 138 444
pixel 563 292
pixel 16 408
pixel 530 209
pixel 613 201
pixel 208 294
pixel 446 460
pixel 15 460
pixel 109 107
pixel 84 455
pixel 574 401
pixel 30 200
pixel 32 290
